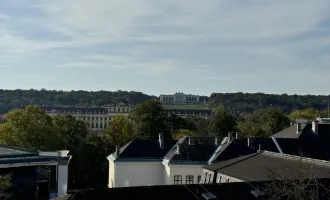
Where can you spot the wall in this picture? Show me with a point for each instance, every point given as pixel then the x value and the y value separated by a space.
pixel 129 174
pixel 183 170
pixel 111 181
pixel 227 179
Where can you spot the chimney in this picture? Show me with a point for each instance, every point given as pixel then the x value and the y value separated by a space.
pixel 191 140
pixel 161 140
pixel 62 172
pixel 229 137
pixel 298 128
pixel 178 148
pixel 315 127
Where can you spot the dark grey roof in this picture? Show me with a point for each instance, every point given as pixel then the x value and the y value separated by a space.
pixel 258 166
pixel 307 142
pixel 144 149
pixel 27 159
pixel 9 151
pixel 287 145
pixel 200 151
pixel 306 131
pixel 229 191
pixel 290 132
pixel 231 150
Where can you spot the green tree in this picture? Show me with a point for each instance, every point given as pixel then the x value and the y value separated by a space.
pixel 149 120
pixel 119 132
pixel 183 132
pixel 30 128
pixel 250 129
pixel 222 122
pixel 274 120
pixel 309 113
pixel 90 171
pixel 5 184
pixel 197 124
pixel 33 128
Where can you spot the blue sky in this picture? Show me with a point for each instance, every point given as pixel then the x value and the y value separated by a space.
pixel 153 46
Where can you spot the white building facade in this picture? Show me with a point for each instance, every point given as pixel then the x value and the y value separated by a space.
pixel 170 167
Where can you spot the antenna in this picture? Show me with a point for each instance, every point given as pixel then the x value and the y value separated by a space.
pixel 328 106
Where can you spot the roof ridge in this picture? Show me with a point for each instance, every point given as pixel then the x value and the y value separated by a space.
pixel 292 157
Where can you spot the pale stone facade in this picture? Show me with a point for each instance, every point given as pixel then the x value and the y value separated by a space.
pixel 179 97
pixel 96 118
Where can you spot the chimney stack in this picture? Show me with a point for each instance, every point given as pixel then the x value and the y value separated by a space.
pixel 191 140
pixel 178 148
pixel 315 127
pixel 298 128
pixel 161 140
pixel 229 137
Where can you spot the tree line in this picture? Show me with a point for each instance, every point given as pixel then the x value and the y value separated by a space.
pixel 239 104
pixel 10 99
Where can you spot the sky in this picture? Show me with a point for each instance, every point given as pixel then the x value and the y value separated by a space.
pixel 162 47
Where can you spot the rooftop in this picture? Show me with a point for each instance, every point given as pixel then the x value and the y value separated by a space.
pixel 193 150
pixel 9 151
pixel 259 166
pixel 144 149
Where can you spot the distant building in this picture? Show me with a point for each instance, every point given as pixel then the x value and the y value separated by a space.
pixel 96 118
pixel 202 113
pixel 179 98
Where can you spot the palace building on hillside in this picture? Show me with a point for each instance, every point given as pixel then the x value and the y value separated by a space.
pixel 179 98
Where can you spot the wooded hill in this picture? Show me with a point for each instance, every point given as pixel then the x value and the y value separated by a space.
pixel 249 102
pixel 237 102
pixel 16 98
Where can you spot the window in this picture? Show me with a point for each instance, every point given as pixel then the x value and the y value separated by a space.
pixel 109 118
pixel 101 125
pixel 101 118
pixel 177 180
pixel 97 125
pixel 88 118
pixel 97 118
pixel 189 179
pixel 92 125
pixel 92 118
pixel 199 179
